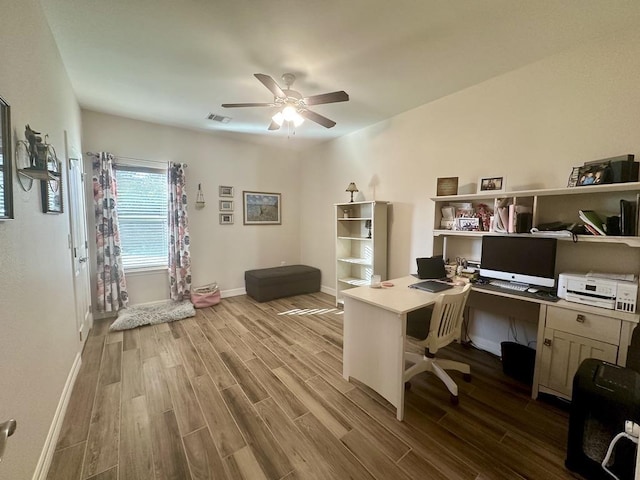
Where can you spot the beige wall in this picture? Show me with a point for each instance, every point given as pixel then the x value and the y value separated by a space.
pixel 219 252
pixel 532 125
pixel 38 337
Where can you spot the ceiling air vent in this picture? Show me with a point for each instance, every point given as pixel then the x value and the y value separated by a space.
pixel 218 118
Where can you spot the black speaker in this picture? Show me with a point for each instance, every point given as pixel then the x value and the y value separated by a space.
pixel 604 397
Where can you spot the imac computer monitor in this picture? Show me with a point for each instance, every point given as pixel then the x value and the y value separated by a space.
pixel 519 259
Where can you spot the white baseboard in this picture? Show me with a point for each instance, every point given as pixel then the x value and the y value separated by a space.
pixel 233 292
pixel 328 290
pixel 44 462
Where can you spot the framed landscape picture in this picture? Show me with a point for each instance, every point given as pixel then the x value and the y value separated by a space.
pixel 261 208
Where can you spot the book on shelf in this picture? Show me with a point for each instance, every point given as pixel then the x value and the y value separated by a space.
pixel 592 221
pixel 627 218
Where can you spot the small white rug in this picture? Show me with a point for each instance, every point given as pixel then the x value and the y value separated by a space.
pixel 153 314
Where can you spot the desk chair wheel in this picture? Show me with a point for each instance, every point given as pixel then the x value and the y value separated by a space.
pixel 466 377
pixel 454 399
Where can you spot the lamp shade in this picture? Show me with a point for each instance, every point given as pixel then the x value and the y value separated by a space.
pixel 352 189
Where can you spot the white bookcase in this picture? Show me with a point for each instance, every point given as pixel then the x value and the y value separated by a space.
pixel 361 244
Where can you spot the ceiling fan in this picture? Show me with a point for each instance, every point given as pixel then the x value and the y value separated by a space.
pixel 292 106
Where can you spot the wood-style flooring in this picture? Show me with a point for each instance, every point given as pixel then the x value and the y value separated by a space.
pixel 242 391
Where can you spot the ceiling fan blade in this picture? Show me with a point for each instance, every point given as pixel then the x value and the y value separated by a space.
pixel 235 105
pixel 332 97
pixel 271 84
pixel 316 117
pixel 274 126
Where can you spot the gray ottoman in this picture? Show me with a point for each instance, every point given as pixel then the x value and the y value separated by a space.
pixel 269 283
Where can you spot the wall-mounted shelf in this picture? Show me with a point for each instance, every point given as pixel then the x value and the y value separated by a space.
pixel 39 174
pixel 551 205
pixel 31 165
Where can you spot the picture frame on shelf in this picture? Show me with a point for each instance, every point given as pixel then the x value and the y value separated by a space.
pixel 594 174
pixel 225 191
pixel 261 208
pixel 495 183
pixel 467 224
pixel 573 177
pixel 226 218
pixel 226 205
pixel 446 186
pixel 51 194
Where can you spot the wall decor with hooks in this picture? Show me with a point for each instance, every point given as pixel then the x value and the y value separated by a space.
pixel 36 160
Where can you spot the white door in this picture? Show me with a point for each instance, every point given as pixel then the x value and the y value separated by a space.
pixel 80 247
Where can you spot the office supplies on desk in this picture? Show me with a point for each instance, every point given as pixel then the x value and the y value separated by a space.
pixel 431 286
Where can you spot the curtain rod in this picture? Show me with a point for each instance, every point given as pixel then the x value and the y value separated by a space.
pixel 133 158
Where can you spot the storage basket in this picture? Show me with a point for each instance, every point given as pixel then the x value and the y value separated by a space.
pixel 205 296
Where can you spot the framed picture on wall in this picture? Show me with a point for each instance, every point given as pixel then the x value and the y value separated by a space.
pixel 226 205
pixel 226 218
pixel 225 191
pixel 496 183
pixel 261 208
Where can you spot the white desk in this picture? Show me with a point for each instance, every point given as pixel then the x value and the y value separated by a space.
pixel 375 330
pixel 375 325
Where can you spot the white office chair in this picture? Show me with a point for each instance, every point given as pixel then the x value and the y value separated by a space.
pixel 444 328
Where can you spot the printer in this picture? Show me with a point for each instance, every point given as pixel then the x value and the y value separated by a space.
pixel 599 291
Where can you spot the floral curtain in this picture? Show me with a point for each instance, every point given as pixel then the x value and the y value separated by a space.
pixel 179 258
pixel 112 287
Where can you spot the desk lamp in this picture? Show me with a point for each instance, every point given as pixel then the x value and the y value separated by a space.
pixel 352 189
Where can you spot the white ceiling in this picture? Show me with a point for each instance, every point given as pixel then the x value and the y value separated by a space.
pixel 175 61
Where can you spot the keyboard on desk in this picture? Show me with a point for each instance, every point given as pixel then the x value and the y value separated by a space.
pixel 518 287
pixel 539 295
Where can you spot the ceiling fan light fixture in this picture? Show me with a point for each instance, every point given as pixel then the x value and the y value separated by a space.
pixel 278 118
pixel 288 114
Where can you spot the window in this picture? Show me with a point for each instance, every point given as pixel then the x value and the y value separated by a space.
pixel 142 215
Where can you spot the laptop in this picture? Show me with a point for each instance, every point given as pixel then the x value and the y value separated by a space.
pixel 431 286
pixel 431 268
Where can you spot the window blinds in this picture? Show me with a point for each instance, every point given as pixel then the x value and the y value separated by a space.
pixel 142 215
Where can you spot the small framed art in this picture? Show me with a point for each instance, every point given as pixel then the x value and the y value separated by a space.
pixel 447 186
pixel 495 183
pixel 224 191
pixel 573 178
pixel 261 208
pixel 466 224
pixel 51 193
pixel 226 205
pixel 226 218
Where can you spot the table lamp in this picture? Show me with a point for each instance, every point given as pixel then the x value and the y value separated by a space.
pixel 352 189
